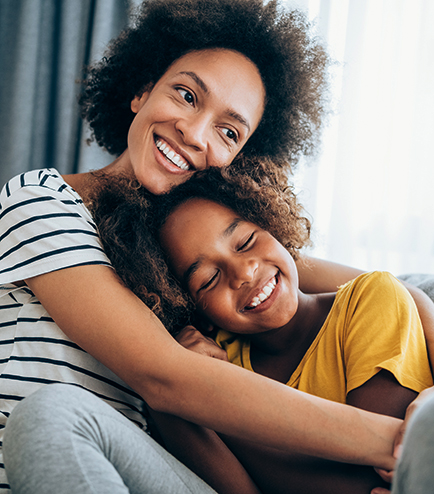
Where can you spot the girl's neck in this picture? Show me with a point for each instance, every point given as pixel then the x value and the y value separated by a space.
pixel 277 353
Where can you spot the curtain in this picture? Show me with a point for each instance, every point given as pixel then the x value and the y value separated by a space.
pixel 370 190
pixel 44 45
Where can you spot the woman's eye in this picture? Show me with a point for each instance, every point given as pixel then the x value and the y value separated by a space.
pixel 230 134
pixel 189 98
pixel 246 243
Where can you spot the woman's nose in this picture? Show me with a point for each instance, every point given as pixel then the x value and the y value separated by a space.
pixel 194 131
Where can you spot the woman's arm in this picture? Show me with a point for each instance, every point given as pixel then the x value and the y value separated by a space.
pixel 318 275
pixel 107 320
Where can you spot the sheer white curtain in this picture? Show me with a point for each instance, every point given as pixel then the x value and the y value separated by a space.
pixel 370 192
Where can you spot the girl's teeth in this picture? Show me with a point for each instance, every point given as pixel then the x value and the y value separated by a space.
pixel 266 292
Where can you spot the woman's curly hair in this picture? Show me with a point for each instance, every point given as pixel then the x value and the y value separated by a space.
pixel 292 63
pixel 129 219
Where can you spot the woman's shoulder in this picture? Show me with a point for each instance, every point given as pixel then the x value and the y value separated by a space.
pixel 37 182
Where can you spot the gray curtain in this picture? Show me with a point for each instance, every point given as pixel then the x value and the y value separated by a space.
pixel 44 45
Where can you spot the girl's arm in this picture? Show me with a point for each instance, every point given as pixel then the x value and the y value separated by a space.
pixel 95 310
pixel 201 450
pixel 198 448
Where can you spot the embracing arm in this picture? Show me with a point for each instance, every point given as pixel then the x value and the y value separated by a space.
pixel 318 275
pixel 96 311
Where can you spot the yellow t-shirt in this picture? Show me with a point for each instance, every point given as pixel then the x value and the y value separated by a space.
pixel 373 325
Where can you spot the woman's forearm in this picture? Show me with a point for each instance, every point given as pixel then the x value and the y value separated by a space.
pixel 239 403
pixel 318 275
pixel 97 312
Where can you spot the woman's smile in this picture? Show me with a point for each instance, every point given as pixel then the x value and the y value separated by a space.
pixel 200 113
pixel 172 156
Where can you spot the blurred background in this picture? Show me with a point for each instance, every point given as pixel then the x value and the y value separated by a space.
pixel 368 189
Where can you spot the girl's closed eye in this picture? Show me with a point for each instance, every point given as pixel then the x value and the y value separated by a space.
pixel 244 245
pixel 210 283
pixel 186 95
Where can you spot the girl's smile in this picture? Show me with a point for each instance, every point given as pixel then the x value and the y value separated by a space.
pixel 239 275
pixel 200 113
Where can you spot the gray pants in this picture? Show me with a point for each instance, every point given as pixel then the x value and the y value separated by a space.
pixel 94 449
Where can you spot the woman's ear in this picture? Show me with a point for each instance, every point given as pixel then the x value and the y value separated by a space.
pixel 139 101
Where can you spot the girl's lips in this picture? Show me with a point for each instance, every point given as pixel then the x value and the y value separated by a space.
pixel 169 158
pixel 268 301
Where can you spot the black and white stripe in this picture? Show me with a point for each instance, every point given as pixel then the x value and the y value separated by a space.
pixel 44 226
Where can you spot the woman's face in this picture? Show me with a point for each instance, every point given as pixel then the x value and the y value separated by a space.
pixel 199 114
pixel 241 278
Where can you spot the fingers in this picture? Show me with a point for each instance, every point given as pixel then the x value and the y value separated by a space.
pixel 386 475
pixel 194 340
pixel 380 490
pixel 414 405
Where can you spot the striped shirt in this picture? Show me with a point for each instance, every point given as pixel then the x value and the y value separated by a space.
pixel 44 226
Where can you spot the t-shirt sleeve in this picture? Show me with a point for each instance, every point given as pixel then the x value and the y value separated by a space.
pixel 42 230
pixel 384 331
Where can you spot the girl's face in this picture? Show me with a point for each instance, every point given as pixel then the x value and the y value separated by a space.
pixel 199 114
pixel 241 278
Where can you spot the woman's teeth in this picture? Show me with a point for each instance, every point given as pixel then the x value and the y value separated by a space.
pixel 265 293
pixel 171 155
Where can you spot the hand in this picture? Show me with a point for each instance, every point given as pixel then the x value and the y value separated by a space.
pixel 194 340
pixel 387 475
pixel 414 405
pixel 380 490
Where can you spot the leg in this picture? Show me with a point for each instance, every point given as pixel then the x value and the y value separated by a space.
pixel 415 469
pixel 64 439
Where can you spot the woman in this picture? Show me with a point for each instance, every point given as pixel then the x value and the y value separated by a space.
pixel 190 86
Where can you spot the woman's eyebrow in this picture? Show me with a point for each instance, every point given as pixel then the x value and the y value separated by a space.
pixel 230 112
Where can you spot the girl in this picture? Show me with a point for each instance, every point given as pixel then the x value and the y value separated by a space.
pixel 363 345
pixel 191 85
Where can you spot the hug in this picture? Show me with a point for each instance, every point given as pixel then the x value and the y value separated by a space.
pixel 106 385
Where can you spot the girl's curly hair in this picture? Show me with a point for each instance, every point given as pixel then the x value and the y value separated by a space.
pixel 292 63
pixel 271 207
pixel 129 219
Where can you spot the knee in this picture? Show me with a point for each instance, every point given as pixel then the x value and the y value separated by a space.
pixel 54 405
pixel 423 418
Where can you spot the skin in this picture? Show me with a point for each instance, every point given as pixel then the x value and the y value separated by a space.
pixel 204 108
pixel 127 338
pixel 225 262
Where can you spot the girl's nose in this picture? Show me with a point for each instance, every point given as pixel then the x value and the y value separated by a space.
pixel 242 271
